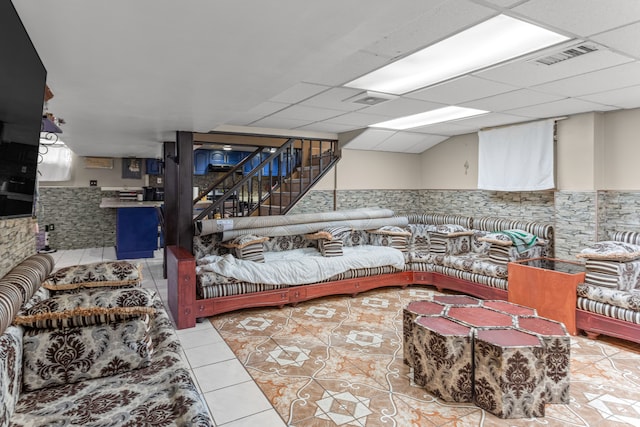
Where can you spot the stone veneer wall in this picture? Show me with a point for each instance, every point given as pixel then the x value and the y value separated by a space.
pixel 575 222
pixel 617 211
pixel 402 202
pixel 79 221
pixel 17 242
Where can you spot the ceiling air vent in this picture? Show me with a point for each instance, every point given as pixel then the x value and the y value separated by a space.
pixel 370 98
pixel 572 52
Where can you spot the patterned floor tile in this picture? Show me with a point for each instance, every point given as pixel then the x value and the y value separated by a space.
pixel 338 361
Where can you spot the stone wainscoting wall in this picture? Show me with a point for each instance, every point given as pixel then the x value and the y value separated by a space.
pixel 79 221
pixel 572 213
pixel 17 242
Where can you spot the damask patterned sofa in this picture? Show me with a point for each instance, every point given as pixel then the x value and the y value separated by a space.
pixel 446 257
pixel 609 300
pixel 469 254
pixel 79 356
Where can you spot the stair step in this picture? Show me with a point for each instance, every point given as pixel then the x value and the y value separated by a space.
pixel 326 157
pixel 283 198
pixel 270 210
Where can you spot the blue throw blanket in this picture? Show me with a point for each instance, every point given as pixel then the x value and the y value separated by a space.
pixel 522 240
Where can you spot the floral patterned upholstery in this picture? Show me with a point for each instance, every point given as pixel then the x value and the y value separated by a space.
pixel 161 394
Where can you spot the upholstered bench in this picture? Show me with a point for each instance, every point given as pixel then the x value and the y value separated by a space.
pixel 443 358
pixel 409 315
pixel 557 353
pixel 508 377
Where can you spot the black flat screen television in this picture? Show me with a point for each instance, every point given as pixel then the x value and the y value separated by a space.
pixel 22 85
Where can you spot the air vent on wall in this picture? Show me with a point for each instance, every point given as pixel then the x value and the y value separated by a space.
pixel 565 54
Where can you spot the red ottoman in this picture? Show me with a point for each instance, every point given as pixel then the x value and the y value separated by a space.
pixel 409 315
pixel 509 373
pixel 557 346
pixel 443 358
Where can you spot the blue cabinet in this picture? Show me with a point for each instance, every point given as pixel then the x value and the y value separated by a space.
pixel 153 166
pixel 136 232
pixel 200 162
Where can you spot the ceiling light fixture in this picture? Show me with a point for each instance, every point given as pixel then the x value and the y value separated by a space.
pixel 226 148
pixel 493 41
pixel 440 115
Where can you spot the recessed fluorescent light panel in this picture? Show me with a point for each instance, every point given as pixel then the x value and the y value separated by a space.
pixel 488 43
pixel 440 115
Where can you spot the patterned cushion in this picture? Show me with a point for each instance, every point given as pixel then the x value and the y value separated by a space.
pixel 330 248
pixel 287 243
pixel 611 250
pixel 502 255
pixel 10 371
pixel 90 308
pixel 622 299
pixel 391 236
pixel 99 274
pixel 62 356
pixel 20 284
pixel 496 238
pixel 161 394
pixel 248 247
pixel 623 276
pixel 452 230
pixel 632 237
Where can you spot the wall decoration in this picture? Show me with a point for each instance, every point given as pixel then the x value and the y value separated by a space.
pixel 131 168
pixel 98 163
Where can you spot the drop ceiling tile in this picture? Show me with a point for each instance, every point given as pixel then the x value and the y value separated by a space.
pixel 347 69
pixel 628 97
pixel 329 127
pixel 357 119
pixel 312 114
pixel 298 92
pixel 399 142
pixel 623 39
pixel 505 3
pixel 335 99
pixel 491 119
pixel 526 73
pixel 369 139
pixel 449 129
pixel 559 108
pixel 582 17
pixel 401 107
pixel 596 81
pixel 467 88
pixel 426 143
pixel 436 21
pixel 511 100
pixel 280 123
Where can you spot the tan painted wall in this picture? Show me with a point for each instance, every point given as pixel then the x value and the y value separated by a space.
pixel 575 153
pixel 80 176
pixel 622 150
pixel 374 170
pixel 443 166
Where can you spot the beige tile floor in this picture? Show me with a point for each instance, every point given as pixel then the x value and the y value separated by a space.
pixel 233 398
pixel 607 376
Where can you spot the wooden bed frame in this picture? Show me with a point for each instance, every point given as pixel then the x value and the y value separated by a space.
pixel 186 309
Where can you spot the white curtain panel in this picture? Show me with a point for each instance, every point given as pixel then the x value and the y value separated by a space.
pixel 56 164
pixel 517 158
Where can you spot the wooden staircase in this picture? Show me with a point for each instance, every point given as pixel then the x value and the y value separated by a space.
pixel 277 181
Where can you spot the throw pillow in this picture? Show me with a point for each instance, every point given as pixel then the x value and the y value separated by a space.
pixel 330 248
pixel 452 230
pixel 611 250
pixel 337 232
pixel 248 247
pixel 391 236
pixel 88 308
pixel 99 274
pixel 62 356
pixel 498 238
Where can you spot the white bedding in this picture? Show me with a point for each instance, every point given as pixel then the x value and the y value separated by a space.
pixel 300 266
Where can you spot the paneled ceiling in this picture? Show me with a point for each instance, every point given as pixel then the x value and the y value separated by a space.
pixel 127 74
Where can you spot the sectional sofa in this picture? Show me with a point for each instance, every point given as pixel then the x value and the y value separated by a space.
pixel 93 350
pixel 446 251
